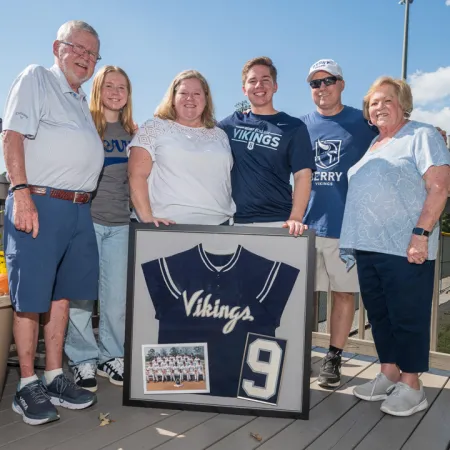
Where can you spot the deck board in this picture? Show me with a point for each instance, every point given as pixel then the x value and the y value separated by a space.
pixel 173 427
pixel 71 424
pixel 325 413
pixel 435 426
pixel 241 439
pixel 351 428
pixel 130 421
pixel 392 432
pixel 350 368
pixel 316 358
pixel 208 433
pixel 338 421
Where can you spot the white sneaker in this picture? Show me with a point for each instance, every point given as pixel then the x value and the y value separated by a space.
pixel 374 390
pixel 405 401
pixel 112 369
pixel 84 376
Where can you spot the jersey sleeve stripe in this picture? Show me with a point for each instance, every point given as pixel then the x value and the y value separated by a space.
pixel 168 279
pixel 269 282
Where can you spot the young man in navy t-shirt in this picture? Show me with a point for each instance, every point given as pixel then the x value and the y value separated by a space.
pixel 268 146
pixel 339 136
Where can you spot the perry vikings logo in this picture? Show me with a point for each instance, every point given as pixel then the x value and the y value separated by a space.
pixel 328 153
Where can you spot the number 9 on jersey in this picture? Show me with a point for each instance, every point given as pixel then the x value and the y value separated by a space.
pixel 262 368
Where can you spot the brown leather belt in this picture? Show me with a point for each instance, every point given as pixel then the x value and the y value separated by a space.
pixel 71 196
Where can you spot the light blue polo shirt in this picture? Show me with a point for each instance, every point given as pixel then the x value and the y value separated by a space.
pixel 62 147
pixel 386 192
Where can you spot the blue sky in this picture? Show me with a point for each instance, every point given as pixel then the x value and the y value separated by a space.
pixel 154 40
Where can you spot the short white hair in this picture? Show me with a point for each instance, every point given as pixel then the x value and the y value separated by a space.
pixel 65 30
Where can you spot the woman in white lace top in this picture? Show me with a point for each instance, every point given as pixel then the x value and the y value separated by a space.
pixel 180 162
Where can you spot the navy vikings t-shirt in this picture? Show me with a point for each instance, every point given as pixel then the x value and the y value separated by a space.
pixel 338 142
pixel 266 151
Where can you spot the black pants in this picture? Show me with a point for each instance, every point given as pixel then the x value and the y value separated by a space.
pixel 398 297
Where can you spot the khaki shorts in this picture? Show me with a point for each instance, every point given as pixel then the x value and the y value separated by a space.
pixel 331 270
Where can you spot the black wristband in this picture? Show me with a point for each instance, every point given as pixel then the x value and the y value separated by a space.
pixel 19 187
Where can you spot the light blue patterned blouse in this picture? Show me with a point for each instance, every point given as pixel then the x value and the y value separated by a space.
pixel 387 192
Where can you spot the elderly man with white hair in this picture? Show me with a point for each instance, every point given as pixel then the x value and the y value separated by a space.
pixel 53 157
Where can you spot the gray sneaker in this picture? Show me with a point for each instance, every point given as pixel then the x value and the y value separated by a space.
pixel 405 401
pixel 375 390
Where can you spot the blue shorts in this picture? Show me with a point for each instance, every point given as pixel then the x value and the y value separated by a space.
pixel 61 263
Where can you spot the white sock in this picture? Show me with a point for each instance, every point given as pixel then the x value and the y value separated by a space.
pixel 27 380
pixel 50 375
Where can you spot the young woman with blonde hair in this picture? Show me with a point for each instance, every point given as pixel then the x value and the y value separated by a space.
pixel 111 109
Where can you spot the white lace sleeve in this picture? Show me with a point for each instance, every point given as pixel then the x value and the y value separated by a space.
pixel 146 136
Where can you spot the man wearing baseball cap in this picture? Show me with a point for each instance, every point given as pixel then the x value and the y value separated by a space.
pixel 339 136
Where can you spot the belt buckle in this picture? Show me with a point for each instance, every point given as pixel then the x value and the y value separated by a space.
pixel 75 196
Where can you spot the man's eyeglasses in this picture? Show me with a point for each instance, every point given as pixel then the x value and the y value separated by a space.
pixel 328 81
pixel 80 50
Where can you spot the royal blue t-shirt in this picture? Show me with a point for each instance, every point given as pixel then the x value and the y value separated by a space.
pixel 266 151
pixel 338 142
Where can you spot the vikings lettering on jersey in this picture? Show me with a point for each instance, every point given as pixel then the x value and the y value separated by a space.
pixel 218 299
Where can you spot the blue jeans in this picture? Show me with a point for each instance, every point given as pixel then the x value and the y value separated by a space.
pixel 81 346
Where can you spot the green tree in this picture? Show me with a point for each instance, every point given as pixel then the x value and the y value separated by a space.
pixel 242 106
pixel 445 223
pixel 150 355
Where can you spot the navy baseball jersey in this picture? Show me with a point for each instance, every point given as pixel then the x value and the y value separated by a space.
pixel 266 149
pixel 218 299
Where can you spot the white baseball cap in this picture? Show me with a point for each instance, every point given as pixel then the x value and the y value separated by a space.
pixel 327 65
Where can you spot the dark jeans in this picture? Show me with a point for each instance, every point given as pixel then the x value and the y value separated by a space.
pixel 398 297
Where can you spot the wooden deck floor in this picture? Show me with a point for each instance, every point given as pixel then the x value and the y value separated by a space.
pixel 338 421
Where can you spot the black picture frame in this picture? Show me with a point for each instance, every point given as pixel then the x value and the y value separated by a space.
pixel 308 324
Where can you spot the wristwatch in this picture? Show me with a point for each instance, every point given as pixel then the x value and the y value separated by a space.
pixel 420 232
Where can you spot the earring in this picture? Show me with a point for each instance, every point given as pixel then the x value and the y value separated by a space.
pixel 370 123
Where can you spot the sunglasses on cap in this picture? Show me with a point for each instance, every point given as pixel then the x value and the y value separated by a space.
pixel 328 81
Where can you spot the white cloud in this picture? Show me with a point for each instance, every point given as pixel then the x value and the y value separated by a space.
pixel 447 2
pixel 430 87
pixel 431 94
pixel 437 118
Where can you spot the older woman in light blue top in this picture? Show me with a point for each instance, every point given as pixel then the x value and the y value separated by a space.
pixel 396 194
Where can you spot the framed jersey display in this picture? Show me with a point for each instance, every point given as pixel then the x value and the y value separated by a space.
pixel 219 319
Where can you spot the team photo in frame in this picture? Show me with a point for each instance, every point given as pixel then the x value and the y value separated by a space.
pixel 175 368
pixel 241 294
